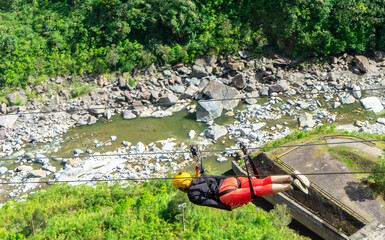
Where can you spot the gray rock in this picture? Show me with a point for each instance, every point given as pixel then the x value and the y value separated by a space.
pixel 3 108
pixel 264 91
pixel 191 134
pixel 257 126
pixel 306 120
pixel 244 54
pixel 29 156
pixel 24 169
pixel 208 110
pixel 97 109
pixel 347 99
pixel 373 104
pixel 125 143
pixel 184 70
pixel 78 151
pixel 195 81
pixel 233 66
pixel 122 82
pixel 190 92
pixel 281 86
pixel 55 100
pixel 108 114
pixel 178 89
pixel 3 170
pixel 336 104
pixel 91 120
pixel 362 63
pixel 251 98
pixel 17 98
pixel 333 77
pixel 8 121
pixel 381 120
pixel 217 90
pixel 199 72
pixel 40 158
pixel 167 73
pixel 140 147
pixel 359 123
pixel 239 81
pixel 215 131
pixel 38 173
pixel 128 114
pixel 113 138
pixel 357 92
pixel 379 56
pixel 48 168
pixel 168 100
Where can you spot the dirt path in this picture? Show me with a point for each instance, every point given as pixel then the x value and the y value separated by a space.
pixel 346 188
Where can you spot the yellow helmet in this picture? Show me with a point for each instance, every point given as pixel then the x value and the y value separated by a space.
pixel 182 181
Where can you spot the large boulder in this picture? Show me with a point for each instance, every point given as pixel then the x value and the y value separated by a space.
pixel 208 110
pixel 97 109
pixel 239 81
pixel 217 90
pixel 379 56
pixel 306 120
pixel 373 104
pixel 347 99
pixel 128 114
pixel 40 158
pixel 8 121
pixel 198 72
pixel 3 170
pixel 140 147
pixel 215 131
pixel 357 92
pixel 362 63
pixel 190 92
pixel 281 86
pixel 168 100
pixel 38 173
pixel 17 98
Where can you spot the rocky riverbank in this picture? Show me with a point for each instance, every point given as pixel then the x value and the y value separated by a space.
pixel 293 97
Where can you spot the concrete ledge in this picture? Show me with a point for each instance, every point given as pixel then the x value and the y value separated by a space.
pixel 300 213
pixel 372 231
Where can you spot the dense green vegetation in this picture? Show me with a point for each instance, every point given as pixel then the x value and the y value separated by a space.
pixel 147 211
pixel 40 38
pixel 379 178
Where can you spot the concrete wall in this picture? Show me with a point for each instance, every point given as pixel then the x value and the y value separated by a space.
pixel 300 213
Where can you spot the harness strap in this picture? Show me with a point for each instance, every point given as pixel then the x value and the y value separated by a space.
pixel 252 193
pixel 203 174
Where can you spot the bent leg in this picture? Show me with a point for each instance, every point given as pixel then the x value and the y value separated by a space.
pixel 243 196
pixel 254 181
pixel 280 178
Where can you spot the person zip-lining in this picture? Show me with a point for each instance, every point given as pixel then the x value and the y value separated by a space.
pixel 229 193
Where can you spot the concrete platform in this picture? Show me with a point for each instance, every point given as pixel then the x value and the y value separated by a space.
pixel 346 188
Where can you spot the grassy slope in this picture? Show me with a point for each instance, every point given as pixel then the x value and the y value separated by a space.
pixel 147 211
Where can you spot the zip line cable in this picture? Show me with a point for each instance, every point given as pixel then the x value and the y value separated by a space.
pixel 166 178
pixel 182 152
pixel 178 102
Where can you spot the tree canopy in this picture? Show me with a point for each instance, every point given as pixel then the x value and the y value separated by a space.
pixel 59 37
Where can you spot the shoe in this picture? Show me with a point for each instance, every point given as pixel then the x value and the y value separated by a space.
pixel 304 180
pixel 297 185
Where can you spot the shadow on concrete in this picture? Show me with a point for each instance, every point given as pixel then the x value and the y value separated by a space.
pixel 358 192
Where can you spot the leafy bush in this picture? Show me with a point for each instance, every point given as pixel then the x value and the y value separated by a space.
pixel 139 211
